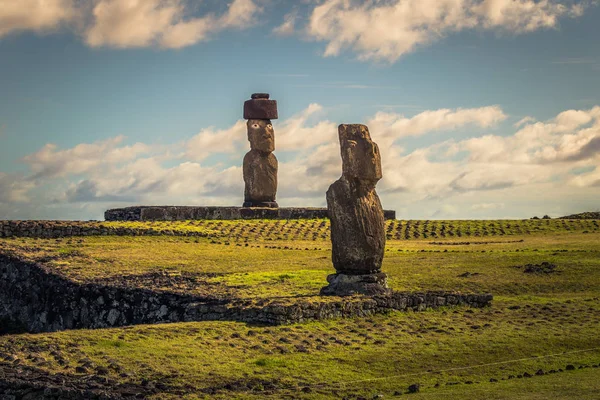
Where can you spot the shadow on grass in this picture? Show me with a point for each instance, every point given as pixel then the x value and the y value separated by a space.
pixel 8 327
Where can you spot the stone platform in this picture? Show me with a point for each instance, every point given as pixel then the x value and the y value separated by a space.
pixel 178 213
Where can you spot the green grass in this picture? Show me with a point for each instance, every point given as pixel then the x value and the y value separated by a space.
pixel 344 356
pixel 537 321
pixel 567 386
pixel 298 268
pixel 313 230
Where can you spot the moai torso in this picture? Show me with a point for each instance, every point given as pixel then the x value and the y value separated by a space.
pixel 357 228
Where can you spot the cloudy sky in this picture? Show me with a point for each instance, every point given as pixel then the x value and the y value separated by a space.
pixel 482 108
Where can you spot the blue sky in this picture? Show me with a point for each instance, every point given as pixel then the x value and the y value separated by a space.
pixel 483 108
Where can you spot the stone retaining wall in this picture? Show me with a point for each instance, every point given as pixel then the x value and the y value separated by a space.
pixel 34 297
pixel 39 300
pixel 178 213
pixel 58 229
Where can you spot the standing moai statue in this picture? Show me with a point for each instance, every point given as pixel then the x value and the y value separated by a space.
pixel 260 164
pixel 357 225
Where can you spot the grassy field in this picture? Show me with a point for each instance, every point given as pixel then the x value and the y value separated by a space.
pixel 519 348
pixel 396 229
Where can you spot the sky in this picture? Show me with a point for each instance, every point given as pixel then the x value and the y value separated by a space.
pixel 481 108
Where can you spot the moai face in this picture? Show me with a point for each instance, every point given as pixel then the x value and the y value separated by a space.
pixel 360 155
pixel 261 135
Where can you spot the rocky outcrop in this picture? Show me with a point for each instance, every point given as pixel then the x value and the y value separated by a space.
pixel 37 299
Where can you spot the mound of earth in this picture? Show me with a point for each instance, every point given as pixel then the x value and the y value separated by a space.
pixel 584 215
pixel 543 268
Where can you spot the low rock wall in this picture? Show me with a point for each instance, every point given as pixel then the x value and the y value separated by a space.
pixel 39 300
pixel 59 229
pixel 178 213
pixel 36 298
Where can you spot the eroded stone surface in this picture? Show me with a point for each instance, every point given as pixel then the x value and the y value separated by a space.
pixel 260 165
pixel 260 107
pixel 347 285
pixel 261 135
pixel 357 222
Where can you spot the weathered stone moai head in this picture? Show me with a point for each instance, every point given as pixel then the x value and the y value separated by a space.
pixel 360 155
pixel 260 164
pixel 261 135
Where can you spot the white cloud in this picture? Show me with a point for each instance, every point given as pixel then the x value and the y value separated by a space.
pixel 295 133
pixel 148 181
pixel 110 171
pixel 572 119
pixel 288 26
pixel 143 23
pixel 240 14
pixel 375 30
pixel 538 153
pixel 487 206
pixel 310 174
pixel 523 121
pixel 397 125
pixel 183 34
pixel 40 16
pixel 49 162
pixel 292 134
pixel 446 211
pixel 491 175
pixel 320 164
pixel 385 30
pixel 564 138
pixel 533 163
pixel 125 23
pixel 14 189
pixel 210 141
pixel 523 15
pixel 130 23
pixel 591 179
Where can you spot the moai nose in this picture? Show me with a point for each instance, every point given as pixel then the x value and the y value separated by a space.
pixel 372 149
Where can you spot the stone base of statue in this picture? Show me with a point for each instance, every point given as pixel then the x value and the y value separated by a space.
pixel 348 285
pixel 261 204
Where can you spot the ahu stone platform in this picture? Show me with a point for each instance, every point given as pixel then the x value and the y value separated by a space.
pixel 178 213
